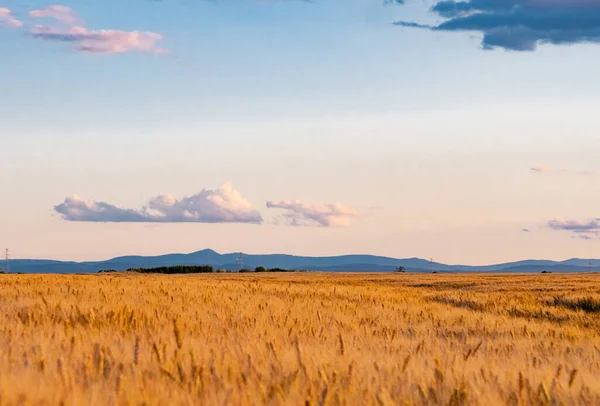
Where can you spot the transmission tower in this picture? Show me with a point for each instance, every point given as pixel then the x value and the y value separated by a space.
pixel 240 261
pixel 6 258
pixel 431 265
pixel 590 267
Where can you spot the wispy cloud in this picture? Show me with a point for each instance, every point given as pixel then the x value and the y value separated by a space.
pixel 585 230
pixel 102 41
pixel 541 169
pixel 546 170
pixel 223 205
pixel 63 14
pixel 69 27
pixel 297 213
pixel 7 19
pixel 520 24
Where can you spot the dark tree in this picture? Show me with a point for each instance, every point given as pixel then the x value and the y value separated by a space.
pixel 178 269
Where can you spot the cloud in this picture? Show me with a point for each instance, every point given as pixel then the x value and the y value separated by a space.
pixel 70 28
pixel 63 14
pixel 298 213
pixel 543 169
pixel 520 25
pixel 8 20
pixel 224 205
pixel 586 230
pixel 101 41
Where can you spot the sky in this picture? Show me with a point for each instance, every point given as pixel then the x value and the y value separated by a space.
pixel 466 132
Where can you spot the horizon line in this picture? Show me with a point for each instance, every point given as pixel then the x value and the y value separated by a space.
pixel 305 256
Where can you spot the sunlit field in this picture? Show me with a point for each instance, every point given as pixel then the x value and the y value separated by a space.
pixel 300 339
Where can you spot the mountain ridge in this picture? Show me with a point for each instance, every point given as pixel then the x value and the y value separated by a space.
pixel 338 263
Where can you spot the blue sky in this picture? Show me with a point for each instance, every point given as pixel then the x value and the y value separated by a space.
pixel 363 135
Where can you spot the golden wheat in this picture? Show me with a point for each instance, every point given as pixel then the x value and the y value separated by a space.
pixel 318 339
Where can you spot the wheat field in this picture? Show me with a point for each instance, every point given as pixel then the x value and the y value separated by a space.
pixel 300 339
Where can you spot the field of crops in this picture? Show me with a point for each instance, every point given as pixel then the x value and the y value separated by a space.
pixel 300 339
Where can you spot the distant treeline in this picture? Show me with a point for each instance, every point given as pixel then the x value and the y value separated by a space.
pixel 187 269
pixel 175 269
pixel 263 269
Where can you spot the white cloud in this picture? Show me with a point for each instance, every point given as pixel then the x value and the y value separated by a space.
pixel 8 20
pixel 298 213
pixel 223 205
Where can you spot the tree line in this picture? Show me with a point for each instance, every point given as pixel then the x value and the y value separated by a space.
pixel 189 269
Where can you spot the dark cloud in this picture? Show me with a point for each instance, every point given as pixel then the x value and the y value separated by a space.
pixel 520 24
pixel 224 205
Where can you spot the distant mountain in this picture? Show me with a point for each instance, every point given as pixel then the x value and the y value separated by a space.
pixel 595 263
pixel 343 263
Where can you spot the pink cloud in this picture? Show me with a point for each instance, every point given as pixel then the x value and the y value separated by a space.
pixel 7 19
pixel 71 29
pixel 101 41
pixel 63 14
pixel 298 213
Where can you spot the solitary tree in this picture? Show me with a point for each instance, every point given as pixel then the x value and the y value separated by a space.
pixel 400 269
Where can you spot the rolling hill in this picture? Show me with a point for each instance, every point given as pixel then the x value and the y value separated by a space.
pixel 343 263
